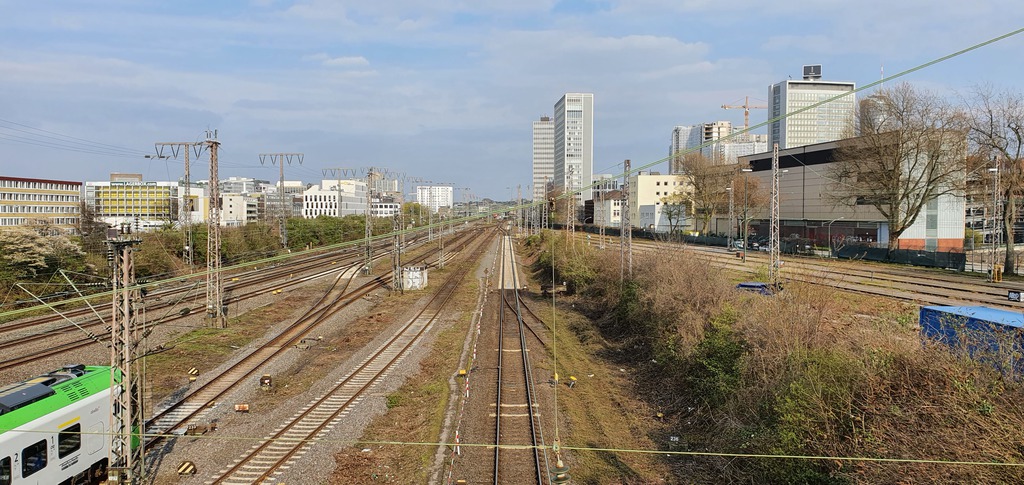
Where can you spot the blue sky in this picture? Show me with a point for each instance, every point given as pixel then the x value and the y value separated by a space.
pixel 443 90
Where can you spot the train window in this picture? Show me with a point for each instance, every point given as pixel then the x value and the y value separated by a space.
pixel 69 440
pixel 5 471
pixel 33 458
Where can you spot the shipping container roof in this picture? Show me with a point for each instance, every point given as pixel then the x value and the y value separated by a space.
pixel 994 315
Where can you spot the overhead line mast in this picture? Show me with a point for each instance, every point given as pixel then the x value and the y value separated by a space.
pixel 214 285
pixel 283 212
pixel 186 199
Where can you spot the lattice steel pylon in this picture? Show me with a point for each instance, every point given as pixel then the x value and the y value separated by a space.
pixel 371 173
pixel 396 253
pixel 626 228
pixel 570 207
pixel 126 460
pixel 214 285
pixel 185 216
pixel 283 211
pixel 774 262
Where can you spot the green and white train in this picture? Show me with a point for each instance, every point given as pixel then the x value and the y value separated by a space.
pixel 54 428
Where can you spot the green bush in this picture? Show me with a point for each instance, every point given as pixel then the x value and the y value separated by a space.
pixel 717 362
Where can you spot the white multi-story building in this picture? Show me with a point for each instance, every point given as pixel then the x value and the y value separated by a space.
pixel 385 209
pixel 608 209
pixel 434 196
pixel 729 151
pixel 238 209
pixel 543 155
pixel 825 123
pixel 241 185
pixel 335 198
pixel 574 144
pixel 54 202
pixel 724 152
pixel 646 191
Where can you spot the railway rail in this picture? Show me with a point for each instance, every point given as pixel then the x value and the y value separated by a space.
pixel 290 440
pixel 246 286
pixel 193 406
pixel 918 285
pixel 519 453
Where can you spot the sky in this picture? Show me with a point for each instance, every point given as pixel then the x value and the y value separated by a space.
pixel 443 91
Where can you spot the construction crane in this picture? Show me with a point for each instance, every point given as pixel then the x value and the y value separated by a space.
pixel 746 112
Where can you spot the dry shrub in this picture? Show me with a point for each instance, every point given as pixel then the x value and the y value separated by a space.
pixel 822 379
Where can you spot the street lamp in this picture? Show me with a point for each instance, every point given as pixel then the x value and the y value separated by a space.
pixel 732 221
pixel 830 235
pixel 745 220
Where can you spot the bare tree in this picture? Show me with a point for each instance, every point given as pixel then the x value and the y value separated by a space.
pixel 708 182
pixel 752 199
pixel 997 137
pixel 675 209
pixel 911 150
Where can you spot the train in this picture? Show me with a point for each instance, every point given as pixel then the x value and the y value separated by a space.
pixel 54 428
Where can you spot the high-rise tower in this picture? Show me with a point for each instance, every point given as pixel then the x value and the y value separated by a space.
pixel 543 155
pixel 574 144
pixel 828 122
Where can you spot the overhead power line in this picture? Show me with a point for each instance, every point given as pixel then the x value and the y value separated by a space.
pixel 21 133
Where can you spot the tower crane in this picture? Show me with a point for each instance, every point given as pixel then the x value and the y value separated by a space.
pixel 746 112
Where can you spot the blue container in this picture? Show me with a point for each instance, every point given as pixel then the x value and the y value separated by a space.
pixel 986 334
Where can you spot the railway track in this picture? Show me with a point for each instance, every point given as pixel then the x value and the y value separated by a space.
pixel 291 440
pixel 918 285
pixel 243 288
pixel 519 454
pixel 192 408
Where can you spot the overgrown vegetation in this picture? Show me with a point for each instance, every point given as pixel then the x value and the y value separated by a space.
pixel 34 257
pixel 811 372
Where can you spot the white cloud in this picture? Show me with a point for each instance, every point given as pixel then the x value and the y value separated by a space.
pixel 346 61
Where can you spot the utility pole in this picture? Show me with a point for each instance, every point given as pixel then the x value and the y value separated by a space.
pixel 519 209
pixel 126 461
pixel 773 243
pixel 283 211
pixel 732 211
pixel 544 213
pixel 186 198
pixel 371 174
pixel 600 207
pixel 396 253
pixel 214 288
pixel 570 209
pixel 626 229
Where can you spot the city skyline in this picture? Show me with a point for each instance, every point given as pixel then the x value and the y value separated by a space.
pixel 441 91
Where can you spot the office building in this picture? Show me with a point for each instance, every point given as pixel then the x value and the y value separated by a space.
pixel 336 198
pixel 54 203
pixel 129 200
pixel 574 144
pixel 543 155
pixel 828 122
